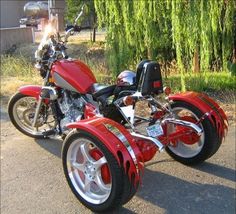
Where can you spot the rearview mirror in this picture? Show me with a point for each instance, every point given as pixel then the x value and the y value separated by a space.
pixel 80 14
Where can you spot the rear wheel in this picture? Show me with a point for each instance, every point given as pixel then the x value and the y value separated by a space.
pixel 192 150
pixel 21 110
pixel 92 172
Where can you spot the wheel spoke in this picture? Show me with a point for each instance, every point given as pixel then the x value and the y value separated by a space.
pixel 98 180
pixel 23 113
pixel 84 164
pixel 78 166
pixel 87 184
pixel 85 153
pixel 100 162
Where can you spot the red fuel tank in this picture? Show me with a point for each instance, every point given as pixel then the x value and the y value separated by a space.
pixel 73 75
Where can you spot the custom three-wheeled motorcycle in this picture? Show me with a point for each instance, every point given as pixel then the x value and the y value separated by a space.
pixel 106 141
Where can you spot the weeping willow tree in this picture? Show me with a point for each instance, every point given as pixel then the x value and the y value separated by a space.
pixel 197 33
pixel 203 28
pixel 135 30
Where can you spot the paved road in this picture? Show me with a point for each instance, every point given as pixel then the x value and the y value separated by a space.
pixel 32 180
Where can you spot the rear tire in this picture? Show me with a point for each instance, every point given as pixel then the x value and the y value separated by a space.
pixel 129 190
pixel 209 141
pixel 78 175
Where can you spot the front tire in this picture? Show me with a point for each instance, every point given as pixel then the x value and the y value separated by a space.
pixel 21 110
pixel 96 181
pixel 204 148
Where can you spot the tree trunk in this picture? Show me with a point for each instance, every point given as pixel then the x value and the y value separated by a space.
pixel 234 49
pixel 196 62
pixel 94 27
pixel 94 35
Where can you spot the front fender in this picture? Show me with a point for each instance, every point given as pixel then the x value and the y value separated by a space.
pixel 119 142
pixel 31 90
pixel 208 107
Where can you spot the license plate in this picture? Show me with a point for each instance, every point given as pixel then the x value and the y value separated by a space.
pixel 154 130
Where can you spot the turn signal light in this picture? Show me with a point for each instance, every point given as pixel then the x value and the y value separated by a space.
pixel 128 100
pixel 51 80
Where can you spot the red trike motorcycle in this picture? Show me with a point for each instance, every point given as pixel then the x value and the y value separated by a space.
pixel 106 142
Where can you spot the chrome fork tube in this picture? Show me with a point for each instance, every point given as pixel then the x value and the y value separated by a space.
pixel 39 104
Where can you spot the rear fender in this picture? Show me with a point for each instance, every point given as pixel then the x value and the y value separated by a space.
pixel 208 107
pixel 119 142
pixel 31 90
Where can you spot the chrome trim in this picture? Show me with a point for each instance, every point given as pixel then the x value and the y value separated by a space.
pixel 53 96
pixel 125 142
pixel 160 146
pixel 126 78
pixel 38 107
pixel 184 123
pixel 117 104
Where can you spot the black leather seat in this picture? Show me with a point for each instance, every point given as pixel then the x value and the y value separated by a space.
pixel 99 90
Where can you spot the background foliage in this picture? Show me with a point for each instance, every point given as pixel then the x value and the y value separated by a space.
pixel 198 34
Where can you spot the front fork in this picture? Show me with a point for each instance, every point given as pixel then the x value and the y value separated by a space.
pixel 38 108
pixel 40 100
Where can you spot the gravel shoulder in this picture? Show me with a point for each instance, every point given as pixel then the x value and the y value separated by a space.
pixel 32 179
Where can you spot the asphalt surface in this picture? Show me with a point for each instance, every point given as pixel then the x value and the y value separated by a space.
pixel 32 180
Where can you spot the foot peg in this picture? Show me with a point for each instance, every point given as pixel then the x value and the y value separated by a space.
pixel 49 133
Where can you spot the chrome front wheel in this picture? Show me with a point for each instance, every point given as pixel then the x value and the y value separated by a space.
pixel 21 110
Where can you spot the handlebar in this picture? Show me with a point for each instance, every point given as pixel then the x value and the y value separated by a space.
pixel 74 28
pixel 86 28
pixel 80 14
pixel 77 28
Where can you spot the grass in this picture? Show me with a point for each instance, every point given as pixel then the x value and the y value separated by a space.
pixel 18 69
pixel 19 66
pixel 207 81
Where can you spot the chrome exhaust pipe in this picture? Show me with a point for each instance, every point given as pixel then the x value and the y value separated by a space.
pixel 196 128
pixel 160 146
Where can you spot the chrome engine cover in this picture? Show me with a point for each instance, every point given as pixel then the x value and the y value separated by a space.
pixel 72 108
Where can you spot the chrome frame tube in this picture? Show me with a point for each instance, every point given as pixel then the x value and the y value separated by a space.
pixel 195 127
pixel 160 146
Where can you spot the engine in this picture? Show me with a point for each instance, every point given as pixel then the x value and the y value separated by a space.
pixel 72 108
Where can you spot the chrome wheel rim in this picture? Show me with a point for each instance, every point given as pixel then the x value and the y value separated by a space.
pixel 181 149
pixel 85 172
pixel 23 113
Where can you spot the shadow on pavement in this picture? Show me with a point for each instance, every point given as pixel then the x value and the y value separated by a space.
pixel 53 146
pixel 179 196
pixel 173 194
pixel 160 161
pixel 121 210
pixel 217 170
